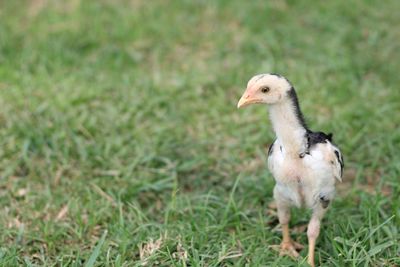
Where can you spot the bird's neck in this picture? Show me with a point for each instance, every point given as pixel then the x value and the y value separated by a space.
pixel 289 125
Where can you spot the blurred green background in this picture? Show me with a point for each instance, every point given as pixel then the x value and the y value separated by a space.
pixel 121 144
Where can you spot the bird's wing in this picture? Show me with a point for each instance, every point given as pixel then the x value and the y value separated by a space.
pixel 335 157
pixel 271 148
pixel 271 151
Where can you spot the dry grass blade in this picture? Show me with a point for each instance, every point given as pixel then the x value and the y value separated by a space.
pixel 148 249
pixel 62 213
pixel 104 195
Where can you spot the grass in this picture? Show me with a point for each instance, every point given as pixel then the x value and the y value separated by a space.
pixel 121 144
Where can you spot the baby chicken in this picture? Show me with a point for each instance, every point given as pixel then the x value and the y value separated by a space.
pixel 304 164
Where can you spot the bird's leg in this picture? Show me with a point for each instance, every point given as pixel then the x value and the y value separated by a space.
pixel 288 246
pixel 313 233
pixel 285 234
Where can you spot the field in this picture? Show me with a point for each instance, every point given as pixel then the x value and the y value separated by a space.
pixel 121 143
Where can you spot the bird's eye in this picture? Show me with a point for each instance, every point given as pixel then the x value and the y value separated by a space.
pixel 265 89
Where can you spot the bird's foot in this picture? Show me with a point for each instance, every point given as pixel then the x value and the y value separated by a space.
pixel 290 248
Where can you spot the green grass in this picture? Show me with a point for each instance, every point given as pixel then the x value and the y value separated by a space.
pixel 121 144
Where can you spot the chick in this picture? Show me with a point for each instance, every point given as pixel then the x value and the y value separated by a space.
pixel 304 164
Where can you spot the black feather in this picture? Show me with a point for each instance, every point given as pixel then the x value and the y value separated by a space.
pixel 282 77
pixel 295 102
pixel 340 159
pixel 271 148
pixel 314 138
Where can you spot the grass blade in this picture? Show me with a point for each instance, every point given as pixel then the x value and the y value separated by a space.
pixel 96 251
pixel 377 249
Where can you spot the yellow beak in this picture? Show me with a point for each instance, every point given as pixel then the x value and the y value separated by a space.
pixel 246 100
pixel 242 102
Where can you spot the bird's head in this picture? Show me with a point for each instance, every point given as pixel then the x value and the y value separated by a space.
pixel 265 89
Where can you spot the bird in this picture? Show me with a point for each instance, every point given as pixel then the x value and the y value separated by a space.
pixel 305 164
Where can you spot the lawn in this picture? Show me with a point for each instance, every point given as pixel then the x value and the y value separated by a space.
pixel 121 143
